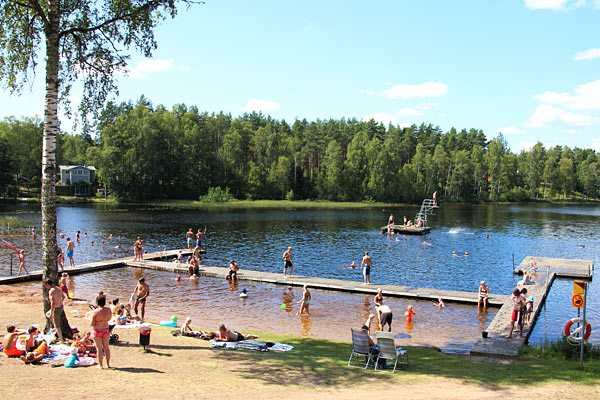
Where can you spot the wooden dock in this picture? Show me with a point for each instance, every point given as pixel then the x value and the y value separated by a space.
pixel 407 230
pixel 496 344
pixel 92 267
pixel 339 285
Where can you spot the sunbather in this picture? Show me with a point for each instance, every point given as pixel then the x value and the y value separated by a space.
pixel 10 341
pixel 226 335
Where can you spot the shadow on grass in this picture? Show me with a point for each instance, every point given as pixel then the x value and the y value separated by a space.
pixel 316 362
pixel 159 346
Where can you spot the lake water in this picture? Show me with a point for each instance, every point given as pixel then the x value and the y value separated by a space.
pixel 324 242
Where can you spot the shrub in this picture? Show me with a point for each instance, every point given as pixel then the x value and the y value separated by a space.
pixel 217 195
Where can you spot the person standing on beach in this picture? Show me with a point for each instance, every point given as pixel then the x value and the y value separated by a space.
pixel 56 312
pixel 140 293
pixel 366 264
pixel 100 330
pixel 70 248
pixel 287 261
pixel 189 236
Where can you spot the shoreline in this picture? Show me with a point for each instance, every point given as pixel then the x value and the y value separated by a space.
pixel 280 204
pixel 315 368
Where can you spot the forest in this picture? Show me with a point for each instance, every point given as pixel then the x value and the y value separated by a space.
pixel 142 152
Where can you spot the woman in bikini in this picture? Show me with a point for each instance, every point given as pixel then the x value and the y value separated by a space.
pixel 138 249
pixel 100 330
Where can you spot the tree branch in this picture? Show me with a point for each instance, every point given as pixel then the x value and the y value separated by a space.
pixel 36 6
pixel 121 17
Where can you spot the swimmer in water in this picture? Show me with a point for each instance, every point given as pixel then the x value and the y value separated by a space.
pixel 466 254
pixel 103 243
pixel 581 245
pixel 426 243
pixel 178 278
pixel 454 254
pixel 353 265
pixel 244 293
pixel 92 243
pixel 118 246
pixel 440 304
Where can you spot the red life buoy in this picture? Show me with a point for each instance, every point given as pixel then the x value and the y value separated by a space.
pixel 588 328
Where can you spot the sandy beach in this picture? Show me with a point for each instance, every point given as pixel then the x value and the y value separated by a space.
pixel 188 368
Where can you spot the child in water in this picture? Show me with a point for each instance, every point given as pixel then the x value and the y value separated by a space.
pixel 305 301
pixel 409 313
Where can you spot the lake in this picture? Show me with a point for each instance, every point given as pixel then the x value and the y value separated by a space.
pixel 324 243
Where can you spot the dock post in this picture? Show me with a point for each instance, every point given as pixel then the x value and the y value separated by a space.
pixel 11 258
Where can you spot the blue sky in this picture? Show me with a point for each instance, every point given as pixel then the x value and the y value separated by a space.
pixel 527 68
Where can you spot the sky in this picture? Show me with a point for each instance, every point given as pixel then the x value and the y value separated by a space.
pixel 529 69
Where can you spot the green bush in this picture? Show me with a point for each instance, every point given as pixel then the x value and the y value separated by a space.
pixel 563 350
pixel 217 195
pixel 290 196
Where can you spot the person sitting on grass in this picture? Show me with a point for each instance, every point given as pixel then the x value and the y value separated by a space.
pixel 186 329
pixel 226 335
pixel 10 341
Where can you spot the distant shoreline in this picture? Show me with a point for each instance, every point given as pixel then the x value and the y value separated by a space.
pixel 302 204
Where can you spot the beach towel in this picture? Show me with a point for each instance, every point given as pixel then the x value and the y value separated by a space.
pixel 251 345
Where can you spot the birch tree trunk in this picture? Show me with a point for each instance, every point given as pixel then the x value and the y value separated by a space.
pixel 49 260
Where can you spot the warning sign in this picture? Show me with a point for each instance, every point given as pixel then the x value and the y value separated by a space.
pixel 577 300
pixel 579 287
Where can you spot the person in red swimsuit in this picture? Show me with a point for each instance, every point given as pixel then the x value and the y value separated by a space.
pixel 100 330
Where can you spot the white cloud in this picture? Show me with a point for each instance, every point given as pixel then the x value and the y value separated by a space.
pixel 584 97
pixel 149 65
pixel 526 145
pixel 384 118
pixel 511 130
pixel 260 105
pixel 589 54
pixel 595 145
pixel 407 112
pixel 428 106
pixel 427 89
pixel 545 114
pixel 368 92
pixel 184 68
pixel 554 4
pixel 570 131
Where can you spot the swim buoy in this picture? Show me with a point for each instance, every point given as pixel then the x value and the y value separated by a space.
pixel 576 334
pixel 172 324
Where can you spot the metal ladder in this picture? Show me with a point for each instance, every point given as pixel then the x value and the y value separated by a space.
pixel 427 208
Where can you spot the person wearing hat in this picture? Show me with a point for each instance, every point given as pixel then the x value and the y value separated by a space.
pixel 484 293
pixel 141 292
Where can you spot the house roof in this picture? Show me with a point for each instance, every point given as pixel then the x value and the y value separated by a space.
pixel 70 167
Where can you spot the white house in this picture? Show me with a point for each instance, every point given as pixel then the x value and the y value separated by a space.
pixel 71 174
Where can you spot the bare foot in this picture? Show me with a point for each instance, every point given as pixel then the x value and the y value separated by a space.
pixel 100 367
pixel 508 337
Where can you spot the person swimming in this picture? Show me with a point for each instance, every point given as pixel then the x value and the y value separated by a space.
pixel 244 293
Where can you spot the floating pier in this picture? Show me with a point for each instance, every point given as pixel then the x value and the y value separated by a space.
pixel 407 230
pixel 548 269
pixel 327 284
pixel 93 267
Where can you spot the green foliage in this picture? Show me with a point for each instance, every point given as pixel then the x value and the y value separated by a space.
pixel 144 152
pixel 562 350
pixel 217 195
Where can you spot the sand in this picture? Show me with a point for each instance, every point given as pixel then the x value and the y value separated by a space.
pixel 184 368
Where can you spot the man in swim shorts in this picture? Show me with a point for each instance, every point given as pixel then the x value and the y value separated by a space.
pixel 366 264
pixel 226 335
pixel 141 292
pixel 189 237
pixel 516 313
pixel 56 314
pixel 287 261
pixel 385 316
pixel 70 247
pixel 199 236
pixel 10 341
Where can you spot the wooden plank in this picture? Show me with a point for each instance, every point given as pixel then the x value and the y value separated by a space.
pixel 329 284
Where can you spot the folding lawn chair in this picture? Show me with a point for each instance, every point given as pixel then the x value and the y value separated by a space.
pixel 389 351
pixel 360 348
